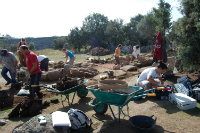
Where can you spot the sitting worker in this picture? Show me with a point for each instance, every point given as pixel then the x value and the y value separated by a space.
pixel 147 78
pixel 44 62
pixel 136 51
pixel 10 65
pixel 71 56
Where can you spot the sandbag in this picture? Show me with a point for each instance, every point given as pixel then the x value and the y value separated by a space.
pixel 113 84
pixel 141 58
pixel 144 62
pixel 66 67
pixel 77 73
pixel 138 64
pixel 43 77
pixel 54 75
pixel 77 64
pixel 129 68
pixel 125 63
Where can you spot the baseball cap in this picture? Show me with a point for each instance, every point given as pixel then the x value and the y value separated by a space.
pixel 4 52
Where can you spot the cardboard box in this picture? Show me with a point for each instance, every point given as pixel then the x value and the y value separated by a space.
pixel 182 101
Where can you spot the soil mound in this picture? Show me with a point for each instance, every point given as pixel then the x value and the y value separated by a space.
pixel 99 51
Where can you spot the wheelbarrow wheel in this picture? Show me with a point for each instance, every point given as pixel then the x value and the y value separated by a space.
pixel 100 108
pixel 82 93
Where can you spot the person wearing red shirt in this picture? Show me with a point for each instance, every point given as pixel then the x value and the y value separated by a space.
pixel 158 48
pixel 34 71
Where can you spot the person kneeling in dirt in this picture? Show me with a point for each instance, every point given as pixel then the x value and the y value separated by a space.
pixel 10 65
pixel 71 56
pixel 146 78
pixel 34 71
pixel 136 51
pixel 44 62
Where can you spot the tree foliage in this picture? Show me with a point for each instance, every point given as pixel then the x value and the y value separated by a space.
pixel 114 32
pixel 13 48
pixel 132 35
pixel 95 24
pixel 188 32
pixel 147 27
pixel 77 38
pixel 163 17
pixel 58 43
pixel 31 46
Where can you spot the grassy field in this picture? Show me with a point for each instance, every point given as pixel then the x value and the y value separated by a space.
pixel 55 55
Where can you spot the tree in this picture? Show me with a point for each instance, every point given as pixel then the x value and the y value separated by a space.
pixel 171 36
pixel 114 32
pixel 3 43
pixel 95 24
pixel 147 27
pixel 31 46
pixel 77 38
pixel 13 48
pixel 132 36
pixel 58 43
pixel 163 17
pixel 188 32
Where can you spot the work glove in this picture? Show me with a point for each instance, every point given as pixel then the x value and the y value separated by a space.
pixel 28 75
pixel 159 84
pixel 14 70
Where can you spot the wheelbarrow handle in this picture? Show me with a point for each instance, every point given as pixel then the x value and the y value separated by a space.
pixel 139 96
pixel 157 88
pixel 160 88
pixel 34 85
pixel 151 94
pixel 42 91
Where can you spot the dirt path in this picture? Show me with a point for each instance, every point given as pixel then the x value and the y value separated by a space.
pixel 169 117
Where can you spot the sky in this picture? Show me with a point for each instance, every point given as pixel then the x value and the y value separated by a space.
pixel 46 18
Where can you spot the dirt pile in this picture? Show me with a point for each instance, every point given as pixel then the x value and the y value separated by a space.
pixel 28 108
pixel 60 64
pixel 99 51
pixel 66 83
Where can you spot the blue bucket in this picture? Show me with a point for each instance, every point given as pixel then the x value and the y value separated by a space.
pixel 143 124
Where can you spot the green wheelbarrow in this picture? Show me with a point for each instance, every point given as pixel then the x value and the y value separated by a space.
pixel 79 89
pixel 104 99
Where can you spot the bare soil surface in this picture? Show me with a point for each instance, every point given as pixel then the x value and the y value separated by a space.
pixel 169 117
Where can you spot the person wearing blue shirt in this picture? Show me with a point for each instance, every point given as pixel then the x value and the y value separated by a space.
pixel 71 56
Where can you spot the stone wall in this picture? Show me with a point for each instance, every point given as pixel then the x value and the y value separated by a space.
pixel 40 43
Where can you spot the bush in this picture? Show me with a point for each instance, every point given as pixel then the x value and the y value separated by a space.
pixel 31 46
pixel 59 43
pixel 13 48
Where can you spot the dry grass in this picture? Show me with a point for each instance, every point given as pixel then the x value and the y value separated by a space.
pixel 55 55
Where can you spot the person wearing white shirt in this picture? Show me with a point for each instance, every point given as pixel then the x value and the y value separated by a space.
pixel 147 78
pixel 136 51
pixel 44 62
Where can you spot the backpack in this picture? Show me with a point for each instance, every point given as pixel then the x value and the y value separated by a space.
pixel 78 119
